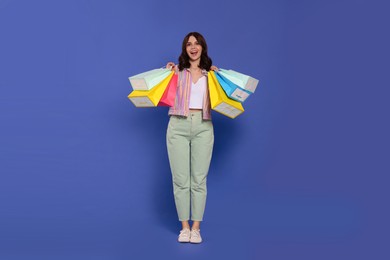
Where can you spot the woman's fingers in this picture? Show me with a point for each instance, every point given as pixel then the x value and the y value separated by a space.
pixel 214 68
pixel 170 65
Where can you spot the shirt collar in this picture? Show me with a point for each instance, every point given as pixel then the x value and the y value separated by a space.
pixel 204 72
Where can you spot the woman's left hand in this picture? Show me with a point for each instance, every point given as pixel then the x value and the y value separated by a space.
pixel 214 68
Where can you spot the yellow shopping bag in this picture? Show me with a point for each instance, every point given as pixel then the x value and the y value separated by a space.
pixel 150 98
pixel 219 101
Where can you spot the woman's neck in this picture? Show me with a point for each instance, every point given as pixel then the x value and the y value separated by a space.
pixel 194 65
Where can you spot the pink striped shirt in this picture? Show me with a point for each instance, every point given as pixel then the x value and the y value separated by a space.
pixel 182 101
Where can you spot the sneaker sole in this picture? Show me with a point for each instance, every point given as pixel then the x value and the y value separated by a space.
pixel 195 242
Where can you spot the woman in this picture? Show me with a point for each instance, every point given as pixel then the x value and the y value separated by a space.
pixel 190 135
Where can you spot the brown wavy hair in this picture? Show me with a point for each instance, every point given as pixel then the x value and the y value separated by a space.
pixel 184 60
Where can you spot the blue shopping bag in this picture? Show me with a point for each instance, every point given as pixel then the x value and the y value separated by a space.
pixel 232 90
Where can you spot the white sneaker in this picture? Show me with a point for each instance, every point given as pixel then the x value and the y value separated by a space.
pixel 195 236
pixel 184 236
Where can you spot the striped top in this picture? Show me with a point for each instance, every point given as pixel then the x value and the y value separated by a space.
pixel 182 100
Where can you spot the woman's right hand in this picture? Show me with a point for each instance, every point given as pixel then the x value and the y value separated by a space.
pixel 170 65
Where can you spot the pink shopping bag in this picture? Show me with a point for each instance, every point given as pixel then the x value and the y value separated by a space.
pixel 168 98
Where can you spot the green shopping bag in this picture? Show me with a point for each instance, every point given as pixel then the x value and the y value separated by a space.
pixel 149 79
pixel 243 81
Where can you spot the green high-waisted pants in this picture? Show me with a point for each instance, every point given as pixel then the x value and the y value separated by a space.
pixel 190 143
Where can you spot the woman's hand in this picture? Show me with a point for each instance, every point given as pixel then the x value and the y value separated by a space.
pixel 170 65
pixel 214 68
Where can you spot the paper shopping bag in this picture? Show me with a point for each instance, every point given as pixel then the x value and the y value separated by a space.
pixel 232 90
pixel 243 81
pixel 219 101
pixel 149 79
pixel 150 98
pixel 169 96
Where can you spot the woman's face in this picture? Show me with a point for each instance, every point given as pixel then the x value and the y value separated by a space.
pixel 193 48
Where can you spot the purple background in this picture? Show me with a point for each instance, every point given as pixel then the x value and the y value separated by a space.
pixel 301 174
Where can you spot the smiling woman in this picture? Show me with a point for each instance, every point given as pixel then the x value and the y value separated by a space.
pixel 190 135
